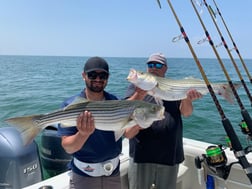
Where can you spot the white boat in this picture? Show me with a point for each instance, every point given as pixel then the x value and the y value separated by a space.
pixel 189 176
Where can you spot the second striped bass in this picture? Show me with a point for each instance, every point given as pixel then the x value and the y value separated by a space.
pixel 170 90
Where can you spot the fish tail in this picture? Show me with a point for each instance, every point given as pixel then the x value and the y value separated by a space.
pixel 227 92
pixel 27 126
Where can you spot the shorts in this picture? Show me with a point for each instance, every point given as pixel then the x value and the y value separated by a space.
pixel 147 175
pixel 105 182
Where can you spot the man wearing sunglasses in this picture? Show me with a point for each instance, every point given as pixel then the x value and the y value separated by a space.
pixel 95 162
pixel 157 151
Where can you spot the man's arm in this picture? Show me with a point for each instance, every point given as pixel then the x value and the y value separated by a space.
pixel 85 126
pixel 186 107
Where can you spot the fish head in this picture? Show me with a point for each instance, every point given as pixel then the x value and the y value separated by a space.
pixel 144 81
pixel 147 113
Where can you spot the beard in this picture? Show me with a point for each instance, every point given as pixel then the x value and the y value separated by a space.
pixel 95 86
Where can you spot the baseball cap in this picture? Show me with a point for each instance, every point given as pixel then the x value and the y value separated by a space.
pixel 96 63
pixel 157 57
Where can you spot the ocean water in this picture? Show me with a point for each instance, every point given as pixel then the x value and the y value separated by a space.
pixel 39 84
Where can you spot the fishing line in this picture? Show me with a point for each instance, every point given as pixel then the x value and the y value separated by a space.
pixel 235 47
pixel 237 147
pixel 177 38
pixel 244 112
pixel 202 41
pixel 229 53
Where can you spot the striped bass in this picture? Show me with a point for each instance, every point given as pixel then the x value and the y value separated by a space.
pixel 110 115
pixel 170 90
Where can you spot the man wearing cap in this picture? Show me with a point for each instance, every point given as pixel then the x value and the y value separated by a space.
pixel 157 151
pixel 95 162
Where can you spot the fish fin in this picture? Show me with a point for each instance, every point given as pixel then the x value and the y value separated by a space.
pixel 130 123
pixel 27 127
pixel 159 101
pixel 119 134
pixel 237 85
pixel 143 123
pixel 152 93
pixel 76 101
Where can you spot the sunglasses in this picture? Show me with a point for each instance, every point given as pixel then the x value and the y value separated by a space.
pixel 93 75
pixel 156 65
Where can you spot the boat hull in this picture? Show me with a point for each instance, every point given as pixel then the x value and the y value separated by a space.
pixel 189 176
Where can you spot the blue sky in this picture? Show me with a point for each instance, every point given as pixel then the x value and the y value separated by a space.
pixel 116 28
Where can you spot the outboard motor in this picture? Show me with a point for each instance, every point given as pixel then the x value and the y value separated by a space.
pixel 54 159
pixel 19 164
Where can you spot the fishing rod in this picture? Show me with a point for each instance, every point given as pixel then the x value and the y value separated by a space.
pixel 236 145
pixel 229 53
pixel 244 112
pixel 235 47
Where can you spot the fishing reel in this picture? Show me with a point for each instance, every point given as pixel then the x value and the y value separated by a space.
pixel 215 161
pixel 245 130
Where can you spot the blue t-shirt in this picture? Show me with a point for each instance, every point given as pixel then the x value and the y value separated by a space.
pixel 99 147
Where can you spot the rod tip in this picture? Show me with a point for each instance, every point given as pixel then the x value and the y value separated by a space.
pixel 159 4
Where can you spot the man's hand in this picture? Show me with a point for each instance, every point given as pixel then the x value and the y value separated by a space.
pixel 193 94
pixel 139 94
pixel 85 123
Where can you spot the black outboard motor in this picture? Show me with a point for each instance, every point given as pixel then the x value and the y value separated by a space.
pixel 54 159
pixel 19 164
